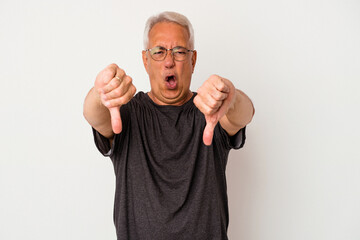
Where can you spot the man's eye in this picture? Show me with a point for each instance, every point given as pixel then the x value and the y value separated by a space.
pixel 180 51
pixel 158 52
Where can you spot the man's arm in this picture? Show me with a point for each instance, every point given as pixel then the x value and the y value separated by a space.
pixel 219 101
pixel 97 115
pixel 112 89
pixel 239 114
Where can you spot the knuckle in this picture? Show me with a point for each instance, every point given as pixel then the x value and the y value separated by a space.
pixel 127 80
pixel 109 96
pixel 113 65
pixel 109 71
pixel 221 87
pixel 208 111
pixel 120 72
pixel 118 102
pixel 221 83
pixel 113 103
pixel 201 91
pixel 108 104
pixel 219 96
pixel 213 104
pixel 214 76
pixel 114 84
pixel 216 95
pixel 117 92
pixel 124 99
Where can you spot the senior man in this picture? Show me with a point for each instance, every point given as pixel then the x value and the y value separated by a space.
pixel 169 146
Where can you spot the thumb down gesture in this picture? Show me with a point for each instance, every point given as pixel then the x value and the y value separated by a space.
pixel 213 99
pixel 115 89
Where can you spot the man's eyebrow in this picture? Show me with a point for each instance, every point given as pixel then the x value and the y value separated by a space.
pixel 170 48
pixel 159 46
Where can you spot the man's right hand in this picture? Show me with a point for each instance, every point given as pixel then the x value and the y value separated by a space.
pixel 115 89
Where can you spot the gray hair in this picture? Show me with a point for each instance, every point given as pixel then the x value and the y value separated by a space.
pixel 169 17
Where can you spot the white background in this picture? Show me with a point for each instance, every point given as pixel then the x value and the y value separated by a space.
pixel 298 176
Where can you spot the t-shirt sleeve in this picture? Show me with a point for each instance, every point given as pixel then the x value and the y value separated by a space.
pixel 236 141
pixel 102 143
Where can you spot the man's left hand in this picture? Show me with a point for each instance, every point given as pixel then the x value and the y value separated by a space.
pixel 213 99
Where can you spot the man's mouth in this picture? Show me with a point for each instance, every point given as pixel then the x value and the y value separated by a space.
pixel 170 82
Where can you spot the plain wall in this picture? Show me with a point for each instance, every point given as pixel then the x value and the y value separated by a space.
pixel 298 175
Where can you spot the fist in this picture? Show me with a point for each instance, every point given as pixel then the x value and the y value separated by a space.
pixel 213 99
pixel 115 89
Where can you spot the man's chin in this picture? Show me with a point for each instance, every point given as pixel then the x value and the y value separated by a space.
pixel 175 97
pixel 170 97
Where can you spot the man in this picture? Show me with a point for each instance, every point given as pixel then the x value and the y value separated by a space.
pixel 169 147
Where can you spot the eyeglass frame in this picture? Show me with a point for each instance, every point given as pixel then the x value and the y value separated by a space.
pixel 166 52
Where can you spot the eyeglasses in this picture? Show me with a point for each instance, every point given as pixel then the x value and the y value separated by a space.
pixel 159 53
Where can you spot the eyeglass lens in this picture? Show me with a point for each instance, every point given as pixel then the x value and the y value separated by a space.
pixel 159 53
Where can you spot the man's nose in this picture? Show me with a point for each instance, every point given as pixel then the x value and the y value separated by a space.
pixel 169 60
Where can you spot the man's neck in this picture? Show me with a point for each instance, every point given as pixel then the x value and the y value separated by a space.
pixel 177 103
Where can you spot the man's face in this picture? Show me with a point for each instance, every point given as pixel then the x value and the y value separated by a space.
pixel 169 79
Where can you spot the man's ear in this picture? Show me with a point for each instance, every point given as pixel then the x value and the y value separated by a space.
pixel 193 60
pixel 145 60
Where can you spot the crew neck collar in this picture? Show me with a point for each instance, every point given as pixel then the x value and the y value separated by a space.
pixel 169 105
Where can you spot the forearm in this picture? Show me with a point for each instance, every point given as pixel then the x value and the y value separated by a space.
pixel 97 115
pixel 239 114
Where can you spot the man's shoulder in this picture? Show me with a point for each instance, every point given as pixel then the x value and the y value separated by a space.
pixel 138 104
pixel 140 98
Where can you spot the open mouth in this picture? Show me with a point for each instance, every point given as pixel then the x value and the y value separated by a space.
pixel 170 82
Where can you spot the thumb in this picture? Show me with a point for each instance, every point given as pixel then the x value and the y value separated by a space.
pixel 115 119
pixel 208 134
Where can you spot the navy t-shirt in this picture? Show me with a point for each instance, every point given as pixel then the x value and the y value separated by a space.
pixel 169 185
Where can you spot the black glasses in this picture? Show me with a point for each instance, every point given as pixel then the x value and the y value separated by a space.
pixel 159 53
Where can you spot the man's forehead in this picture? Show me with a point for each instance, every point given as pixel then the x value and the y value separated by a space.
pixel 164 26
pixel 168 31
